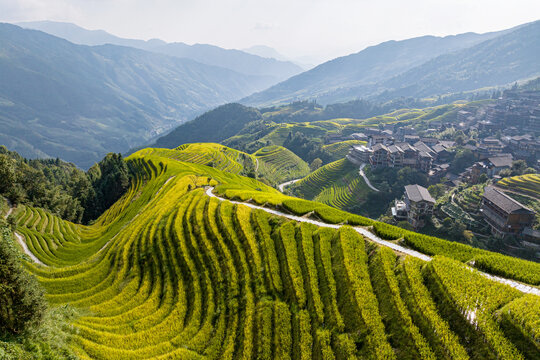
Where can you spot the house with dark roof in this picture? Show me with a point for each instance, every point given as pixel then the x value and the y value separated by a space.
pixel 496 164
pixel 503 214
pixel 379 156
pixel 421 146
pixel 492 145
pixel 419 204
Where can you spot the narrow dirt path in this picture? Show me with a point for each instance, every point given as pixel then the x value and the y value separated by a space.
pixel 282 187
pixel 366 233
pixel 10 210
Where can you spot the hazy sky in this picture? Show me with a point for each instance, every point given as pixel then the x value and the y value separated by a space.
pixel 321 29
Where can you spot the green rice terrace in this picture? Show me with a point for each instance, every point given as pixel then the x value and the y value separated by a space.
pixel 340 149
pixel 279 164
pixel 526 184
pixel 275 164
pixel 464 206
pixel 337 184
pixel 174 270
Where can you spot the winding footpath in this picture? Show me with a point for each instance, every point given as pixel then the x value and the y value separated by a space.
pixel 366 233
pixel 282 187
pixel 363 175
pixel 20 239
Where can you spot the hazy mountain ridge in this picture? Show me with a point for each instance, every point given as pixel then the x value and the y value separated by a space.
pixel 507 58
pixel 361 74
pixel 274 70
pixel 76 102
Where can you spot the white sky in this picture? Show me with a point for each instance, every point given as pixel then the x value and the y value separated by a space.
pixel 320 29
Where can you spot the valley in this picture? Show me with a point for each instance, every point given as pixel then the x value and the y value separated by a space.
pixel 185 190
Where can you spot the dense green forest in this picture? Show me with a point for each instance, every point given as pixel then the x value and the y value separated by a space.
pixel 61 187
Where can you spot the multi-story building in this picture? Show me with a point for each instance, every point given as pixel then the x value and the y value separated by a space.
pixel 419 204
pixel 396 155
pixel 493 146
pixel 381 138
pixel 359 154
pixel 380 156
pixel 504 214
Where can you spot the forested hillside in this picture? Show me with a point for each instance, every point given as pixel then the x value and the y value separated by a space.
pixel 61 187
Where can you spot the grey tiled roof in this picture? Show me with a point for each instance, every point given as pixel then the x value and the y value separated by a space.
pixel 418 193
pixel 500 161
pixel 379 147
pixel 503 201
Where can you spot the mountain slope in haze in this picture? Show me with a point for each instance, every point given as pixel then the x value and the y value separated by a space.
pixel 78 35
pixel 273 70
pixel 58 99
pixel 236 60
pixel 502 60
pixel 213 126
pixel 330 81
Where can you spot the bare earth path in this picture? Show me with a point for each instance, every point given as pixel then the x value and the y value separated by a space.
pixel 366 233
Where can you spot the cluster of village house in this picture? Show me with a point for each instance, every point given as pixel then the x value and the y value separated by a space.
pixel 504 215
pixel 515 119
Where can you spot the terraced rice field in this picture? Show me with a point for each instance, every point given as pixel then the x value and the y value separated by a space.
pixel 171 273
pixel 526 184
pixel 337 184
pixel 340 149
pixel 215 155
pixel 279 164
pixel 279 135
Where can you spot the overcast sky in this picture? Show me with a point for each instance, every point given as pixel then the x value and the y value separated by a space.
pixel 321 29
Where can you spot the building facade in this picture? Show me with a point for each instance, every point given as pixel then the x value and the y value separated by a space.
pixel 419 205
pixel 505 215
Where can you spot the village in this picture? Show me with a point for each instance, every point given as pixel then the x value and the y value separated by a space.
pixel 478 149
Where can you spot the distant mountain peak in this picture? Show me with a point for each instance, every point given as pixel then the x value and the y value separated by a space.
pixel 236 60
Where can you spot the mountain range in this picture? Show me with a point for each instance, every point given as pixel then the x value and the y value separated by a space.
pixel 269 67
pixel 59 99
pixel 413 67
pixel 78 102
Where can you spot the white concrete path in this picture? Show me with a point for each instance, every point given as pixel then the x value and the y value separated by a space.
pixel 363 174
pixel 282 187
pixel 21 240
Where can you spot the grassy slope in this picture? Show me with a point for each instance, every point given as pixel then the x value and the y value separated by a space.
pixel 169 273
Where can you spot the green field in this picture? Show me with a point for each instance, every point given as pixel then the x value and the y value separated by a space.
pixel 337 184
pixel 171 273
pixel 526 184
pixel 340 149
pixel 278 164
